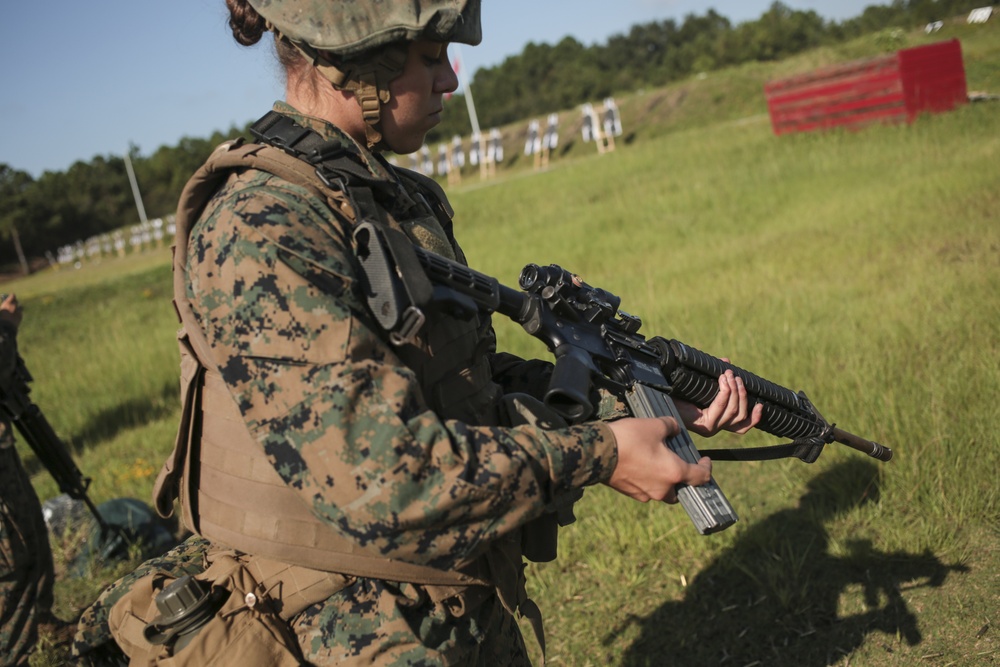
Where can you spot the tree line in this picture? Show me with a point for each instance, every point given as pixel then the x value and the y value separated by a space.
pixel 550 77
pixel 38 215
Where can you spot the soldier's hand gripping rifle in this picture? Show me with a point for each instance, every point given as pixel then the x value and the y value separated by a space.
pixel 595 344
pixel 17 407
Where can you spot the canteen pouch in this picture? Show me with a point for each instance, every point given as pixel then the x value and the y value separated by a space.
pixel 246 631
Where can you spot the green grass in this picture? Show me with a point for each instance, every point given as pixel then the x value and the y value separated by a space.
pixel 861 267
pixel 100 350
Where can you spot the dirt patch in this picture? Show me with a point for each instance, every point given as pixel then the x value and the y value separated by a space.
pixel 660 104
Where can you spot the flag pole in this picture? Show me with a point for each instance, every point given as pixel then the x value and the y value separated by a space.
pixel 473 118
pixel 135 188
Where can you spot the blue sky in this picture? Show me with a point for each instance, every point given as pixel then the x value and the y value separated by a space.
pixel 82 79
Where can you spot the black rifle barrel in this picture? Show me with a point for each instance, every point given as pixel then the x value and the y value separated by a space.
pixel 869 447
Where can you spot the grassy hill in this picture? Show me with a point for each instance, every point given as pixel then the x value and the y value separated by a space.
pixel 860 267
pixel 736 94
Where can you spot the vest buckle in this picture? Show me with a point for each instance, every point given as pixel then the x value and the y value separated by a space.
pixel 410 323
pixel 332 179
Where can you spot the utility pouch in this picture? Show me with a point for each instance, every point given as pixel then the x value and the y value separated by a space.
pixel 221 617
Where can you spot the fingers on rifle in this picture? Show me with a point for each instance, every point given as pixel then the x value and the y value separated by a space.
pixel 750 421
pixel 725 408
pixel 740 396
pixel 700 473
pixel 671 427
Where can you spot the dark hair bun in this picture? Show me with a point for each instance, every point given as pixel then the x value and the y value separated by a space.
pixel 247 25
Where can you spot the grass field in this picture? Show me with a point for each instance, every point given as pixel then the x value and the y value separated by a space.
pixel 861 267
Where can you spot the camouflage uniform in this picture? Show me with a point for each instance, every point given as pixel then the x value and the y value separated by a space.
pixel 360 433
pixel 26 569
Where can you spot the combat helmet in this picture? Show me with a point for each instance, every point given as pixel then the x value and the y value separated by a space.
pixel 359 45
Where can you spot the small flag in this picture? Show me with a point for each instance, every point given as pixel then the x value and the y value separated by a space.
pixel 455 66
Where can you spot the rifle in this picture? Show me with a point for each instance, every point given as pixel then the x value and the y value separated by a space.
pixel 17 407
pixel 595 344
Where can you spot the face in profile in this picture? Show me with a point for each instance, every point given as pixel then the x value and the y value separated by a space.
pixel 417 96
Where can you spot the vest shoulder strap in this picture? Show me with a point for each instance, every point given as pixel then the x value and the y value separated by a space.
pixel 428 185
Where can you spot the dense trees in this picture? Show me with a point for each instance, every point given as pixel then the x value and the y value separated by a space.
pixel 59 208
pixel 15 212
pixel 90 198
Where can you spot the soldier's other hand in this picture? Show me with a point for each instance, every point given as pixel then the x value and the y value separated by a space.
pixel 729 410
pixel 647 469
pixel 10 310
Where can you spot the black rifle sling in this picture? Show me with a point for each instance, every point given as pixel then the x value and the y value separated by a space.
pixel 806 449
pixel 398 312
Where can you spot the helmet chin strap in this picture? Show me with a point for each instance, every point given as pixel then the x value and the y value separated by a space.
pixel 367 78
pixel 370 96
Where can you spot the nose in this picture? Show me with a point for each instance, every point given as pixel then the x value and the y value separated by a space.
pixel 447 80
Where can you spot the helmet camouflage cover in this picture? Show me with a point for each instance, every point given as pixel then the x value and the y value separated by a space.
pixel 351 27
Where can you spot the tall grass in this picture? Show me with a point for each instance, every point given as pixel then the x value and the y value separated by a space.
pixel 861 267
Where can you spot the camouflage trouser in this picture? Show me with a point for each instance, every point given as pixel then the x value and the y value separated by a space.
pixel 368 622
pixel 26 571
pixel 374 622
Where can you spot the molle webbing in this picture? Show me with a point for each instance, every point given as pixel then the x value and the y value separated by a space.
pixel 244 503
pixel 229 491
pixel 336 168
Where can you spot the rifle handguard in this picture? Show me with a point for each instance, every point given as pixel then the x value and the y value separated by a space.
pixel 693 377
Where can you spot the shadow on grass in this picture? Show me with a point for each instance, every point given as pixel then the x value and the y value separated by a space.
pixel 774 598
pixel 127 415
pixel 108 423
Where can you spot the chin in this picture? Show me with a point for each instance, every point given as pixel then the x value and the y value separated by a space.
pixel 405 138
pixel 405 147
